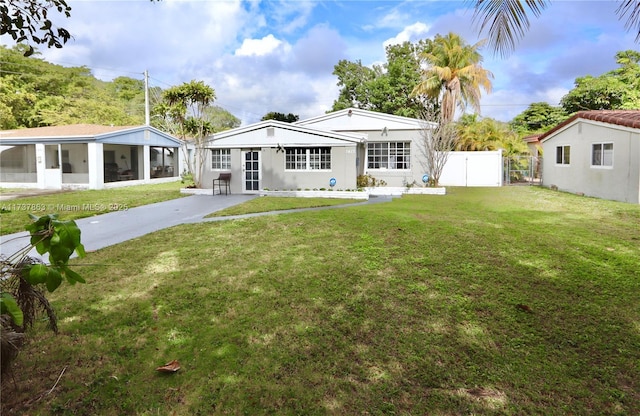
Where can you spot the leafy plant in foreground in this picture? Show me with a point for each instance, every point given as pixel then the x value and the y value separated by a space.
pixel 22 276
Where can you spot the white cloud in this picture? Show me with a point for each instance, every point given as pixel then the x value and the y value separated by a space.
pixel 279 55
pixel 290 16
pixel 258 47
pixel 390 19
pixel 411 33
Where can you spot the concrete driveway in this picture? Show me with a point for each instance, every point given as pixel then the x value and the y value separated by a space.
pixel 115 227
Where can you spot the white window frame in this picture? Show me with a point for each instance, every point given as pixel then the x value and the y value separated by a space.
pixel 220 159
pixel 307 158
pixel 605 157
pixel 564 155
pixel 388 155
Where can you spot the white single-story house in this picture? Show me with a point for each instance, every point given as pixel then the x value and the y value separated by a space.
pixel 393 151
pixel 277 155
pixel 332 150
pixel 87 156
pixel 595 153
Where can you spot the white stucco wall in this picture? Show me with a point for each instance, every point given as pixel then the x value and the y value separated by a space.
pixel 274 176
pixel 620 182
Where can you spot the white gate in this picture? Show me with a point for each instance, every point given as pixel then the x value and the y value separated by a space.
pixel 473 169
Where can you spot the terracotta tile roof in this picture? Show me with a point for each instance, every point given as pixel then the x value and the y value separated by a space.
pixel 533 138
pixel 625 118
pixel 72 130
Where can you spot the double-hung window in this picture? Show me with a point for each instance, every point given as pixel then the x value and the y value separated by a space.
pixel 308 158
pixel 563 155
pixel 602 154
pixel 389 155
pixel 220 159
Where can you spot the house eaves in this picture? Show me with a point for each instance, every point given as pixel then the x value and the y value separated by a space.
pixel 289 127
pixel 377 119
pixel 74 133
pixel 620 118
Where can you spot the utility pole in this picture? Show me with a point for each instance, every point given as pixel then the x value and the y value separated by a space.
pixel 147 117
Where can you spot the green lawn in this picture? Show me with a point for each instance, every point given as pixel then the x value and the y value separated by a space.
pixel 80 204
pixel 515 300
pixel 268 203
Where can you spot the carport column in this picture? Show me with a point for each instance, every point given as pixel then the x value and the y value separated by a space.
pixel 95 164
pixel 146 163
pixel 40 165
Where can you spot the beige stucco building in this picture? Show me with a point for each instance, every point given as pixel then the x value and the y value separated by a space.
pixel 595 153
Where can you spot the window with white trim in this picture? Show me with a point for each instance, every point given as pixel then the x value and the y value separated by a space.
pixel 563 155
pixel 220 159
pixel 389 155
pixel 602 154
pixel 320 158
pixel 307 158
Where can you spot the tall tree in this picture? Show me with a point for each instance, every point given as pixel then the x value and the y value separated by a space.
pixel 353 80
pixel 508 20
pixel 437 140
pixel 454 75
pixel 185 105
pixel 391 90
pixel 220 119
pixel 35 93
pixel 538 118
pixel 617 89
pixel 384 88
pixel 287 118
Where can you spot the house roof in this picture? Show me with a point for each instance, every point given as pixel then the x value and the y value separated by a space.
pixel 74 133
pixel 357 119
pixel 71 130
pixel 289 134
pixel 533 138
pixel 624 118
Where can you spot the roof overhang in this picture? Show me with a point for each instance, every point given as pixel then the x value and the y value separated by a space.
pixel 282 135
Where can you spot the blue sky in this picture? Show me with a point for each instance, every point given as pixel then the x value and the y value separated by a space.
pixel 263 56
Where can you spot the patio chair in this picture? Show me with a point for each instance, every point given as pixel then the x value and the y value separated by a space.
pixel 223 179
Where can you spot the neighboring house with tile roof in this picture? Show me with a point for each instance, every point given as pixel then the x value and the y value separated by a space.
pixel 595 153
pixel 88 156
pixel 533 143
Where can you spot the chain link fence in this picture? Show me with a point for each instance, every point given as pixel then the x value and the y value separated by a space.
pixel 522 170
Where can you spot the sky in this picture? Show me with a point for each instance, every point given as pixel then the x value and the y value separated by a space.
pixel 263 56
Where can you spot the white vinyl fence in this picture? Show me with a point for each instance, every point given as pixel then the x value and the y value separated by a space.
pixel 473 169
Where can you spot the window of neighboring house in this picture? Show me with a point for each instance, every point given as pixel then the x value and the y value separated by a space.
pixel 311 158
pixel 563 155
pixel 389 155
pixel 220 159
pixel 602 154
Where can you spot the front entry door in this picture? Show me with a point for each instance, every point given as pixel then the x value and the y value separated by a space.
pixel 251 171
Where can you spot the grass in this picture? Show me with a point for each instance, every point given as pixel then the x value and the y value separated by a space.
pixel 410 307
pixel 267 203
pixel 82 204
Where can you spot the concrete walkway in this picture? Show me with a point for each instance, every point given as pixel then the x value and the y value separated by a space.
pixel 115 227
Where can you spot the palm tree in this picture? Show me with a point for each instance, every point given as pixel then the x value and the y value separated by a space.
pixel 508 19
pixel 453 75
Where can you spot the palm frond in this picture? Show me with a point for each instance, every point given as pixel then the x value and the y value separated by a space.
pixel 632 9
pixel 507 20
